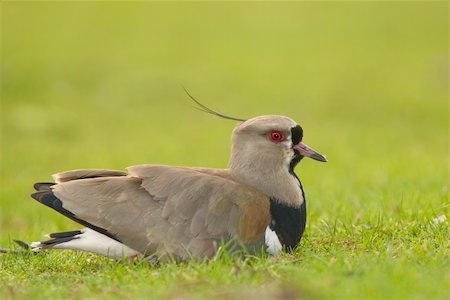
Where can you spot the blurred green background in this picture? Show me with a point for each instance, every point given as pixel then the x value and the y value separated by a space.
pixel 87 85
pixel 99 85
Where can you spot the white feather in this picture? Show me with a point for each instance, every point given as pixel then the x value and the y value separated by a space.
pixel 272 242
pixel 92 241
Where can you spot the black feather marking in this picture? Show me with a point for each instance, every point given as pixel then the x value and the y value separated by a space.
pixel 49 199
pixel 294 161
pixel 41 186
pixel 297 134
pixel 210 111
pixel 288 223
pixel 64 234
pixel 58 241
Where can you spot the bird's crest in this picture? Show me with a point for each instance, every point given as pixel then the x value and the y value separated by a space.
pixel 208 110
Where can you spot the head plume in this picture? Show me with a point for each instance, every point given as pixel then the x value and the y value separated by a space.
pixel 210 111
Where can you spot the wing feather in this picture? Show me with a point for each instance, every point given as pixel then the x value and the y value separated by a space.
pixel 167 211
pixel 86 173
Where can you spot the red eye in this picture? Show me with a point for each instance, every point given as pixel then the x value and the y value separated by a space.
pixel 276 136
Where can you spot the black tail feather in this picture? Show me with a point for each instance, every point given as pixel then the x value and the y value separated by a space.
pixel 64 234
pixel 49 243
pixel 43 186
pixel 48 198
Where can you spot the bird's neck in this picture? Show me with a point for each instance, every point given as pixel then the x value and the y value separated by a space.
pixel 277 182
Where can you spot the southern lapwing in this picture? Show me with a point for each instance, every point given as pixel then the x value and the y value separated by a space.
pixel 183 213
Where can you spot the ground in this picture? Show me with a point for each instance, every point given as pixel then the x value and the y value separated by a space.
pixel 99 85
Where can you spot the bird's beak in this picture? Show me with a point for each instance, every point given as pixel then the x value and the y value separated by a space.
pixel 309 152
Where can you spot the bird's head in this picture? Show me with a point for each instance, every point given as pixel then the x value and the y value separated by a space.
pixel 270 142
pixel 265 151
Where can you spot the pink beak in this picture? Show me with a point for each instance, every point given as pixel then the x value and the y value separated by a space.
pixel 309 152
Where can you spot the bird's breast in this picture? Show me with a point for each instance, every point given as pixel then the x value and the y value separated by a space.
pixel 287 222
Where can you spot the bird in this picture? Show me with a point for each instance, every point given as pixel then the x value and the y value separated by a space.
pixel 178 213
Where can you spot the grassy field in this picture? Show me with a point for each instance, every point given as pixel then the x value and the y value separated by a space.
pixel 98 85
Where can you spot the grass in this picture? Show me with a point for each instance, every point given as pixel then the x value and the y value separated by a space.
pixel 88 85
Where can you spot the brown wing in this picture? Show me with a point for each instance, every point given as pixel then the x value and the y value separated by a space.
pixel 169 211
pixel 86 173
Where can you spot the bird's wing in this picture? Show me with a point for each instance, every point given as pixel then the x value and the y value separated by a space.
pixel 167 211
pixel 86 173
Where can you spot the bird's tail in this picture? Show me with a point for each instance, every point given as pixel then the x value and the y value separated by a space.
pixel 57 240
pixel 86 240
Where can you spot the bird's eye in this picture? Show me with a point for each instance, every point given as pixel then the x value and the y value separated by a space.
pixel 276 136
